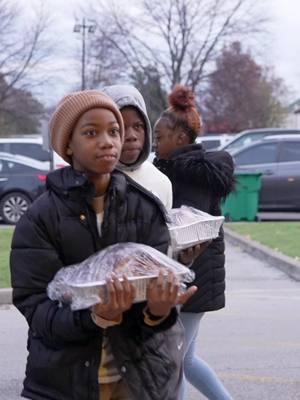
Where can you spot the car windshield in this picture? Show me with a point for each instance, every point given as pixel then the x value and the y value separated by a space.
pixel 244 140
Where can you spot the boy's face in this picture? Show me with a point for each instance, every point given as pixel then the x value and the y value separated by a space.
pixel 96 143
pixel 134 125
pixel 165 139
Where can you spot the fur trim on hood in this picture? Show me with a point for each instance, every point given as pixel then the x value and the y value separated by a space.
pixel 124 96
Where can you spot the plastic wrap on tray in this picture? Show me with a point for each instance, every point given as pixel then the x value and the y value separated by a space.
pixel 190 226
pixel 83 285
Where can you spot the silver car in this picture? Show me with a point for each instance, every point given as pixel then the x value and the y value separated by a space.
pixel 277 158
pixel 250 136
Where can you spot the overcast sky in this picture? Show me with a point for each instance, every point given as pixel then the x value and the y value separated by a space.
pixel 286 45
pixel 283 53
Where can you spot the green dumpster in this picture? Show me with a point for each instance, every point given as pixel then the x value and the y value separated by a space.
pixel 242 203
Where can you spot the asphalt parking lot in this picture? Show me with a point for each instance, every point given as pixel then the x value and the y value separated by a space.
pixel 253 344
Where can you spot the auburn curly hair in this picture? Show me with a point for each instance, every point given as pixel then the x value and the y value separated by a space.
pixel 182 111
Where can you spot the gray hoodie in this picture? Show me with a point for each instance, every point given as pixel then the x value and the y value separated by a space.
pixel 142 171
pixel 127 95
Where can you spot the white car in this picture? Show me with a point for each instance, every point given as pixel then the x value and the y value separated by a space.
pixel 32 147
pixel 214 142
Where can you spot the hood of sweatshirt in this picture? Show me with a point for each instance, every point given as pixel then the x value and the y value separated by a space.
pixel 124 96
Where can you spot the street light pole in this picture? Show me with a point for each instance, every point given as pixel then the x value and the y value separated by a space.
pixel 90 27
pixel 83 56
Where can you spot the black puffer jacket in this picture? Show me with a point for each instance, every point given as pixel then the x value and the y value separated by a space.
pixel 201 179
pixel 64 346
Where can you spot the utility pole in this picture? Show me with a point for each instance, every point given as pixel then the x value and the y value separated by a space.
pixel 90 27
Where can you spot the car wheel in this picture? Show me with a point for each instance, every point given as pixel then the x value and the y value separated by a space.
pixel 13 206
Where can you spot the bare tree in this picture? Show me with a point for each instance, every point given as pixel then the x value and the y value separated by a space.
pixel 22 50
pixel 105 65
pixel 178 38
pixel 155 97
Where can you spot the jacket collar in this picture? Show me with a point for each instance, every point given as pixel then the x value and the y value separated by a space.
pixel 71 183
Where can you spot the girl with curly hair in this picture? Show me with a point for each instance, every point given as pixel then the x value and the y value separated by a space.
pixel 200 179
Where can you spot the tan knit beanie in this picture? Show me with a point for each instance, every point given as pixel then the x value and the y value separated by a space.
pixel 69 110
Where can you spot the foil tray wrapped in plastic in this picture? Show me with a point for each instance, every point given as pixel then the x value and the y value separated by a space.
pixel 83 285
pixel 190 226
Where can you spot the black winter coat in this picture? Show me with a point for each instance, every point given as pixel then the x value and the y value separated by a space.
pixel 64 346
pixel 201 179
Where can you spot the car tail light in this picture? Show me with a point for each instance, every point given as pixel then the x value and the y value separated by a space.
pixel 42 178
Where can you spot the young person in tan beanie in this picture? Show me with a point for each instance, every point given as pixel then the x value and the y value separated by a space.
pixel 117 350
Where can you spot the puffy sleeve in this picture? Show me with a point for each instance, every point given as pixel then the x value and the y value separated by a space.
pixel 34 260
pixel 220 168
pixel 213 169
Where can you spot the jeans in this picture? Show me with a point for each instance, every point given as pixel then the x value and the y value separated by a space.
pixel 197 372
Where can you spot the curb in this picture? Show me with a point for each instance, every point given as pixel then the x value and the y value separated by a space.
pixel 286 264
pixel 6 296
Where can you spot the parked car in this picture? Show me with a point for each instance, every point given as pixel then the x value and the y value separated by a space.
pixel 31 146
pixel 252 135
pixel 277 158
pixel 213 142
pixel 22 180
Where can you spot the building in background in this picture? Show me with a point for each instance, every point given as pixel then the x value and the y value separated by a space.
pixel 292 119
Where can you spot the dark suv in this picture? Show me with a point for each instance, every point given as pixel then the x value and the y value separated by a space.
pixel 22 179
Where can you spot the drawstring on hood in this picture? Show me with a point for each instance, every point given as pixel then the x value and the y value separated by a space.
pixel 126 96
